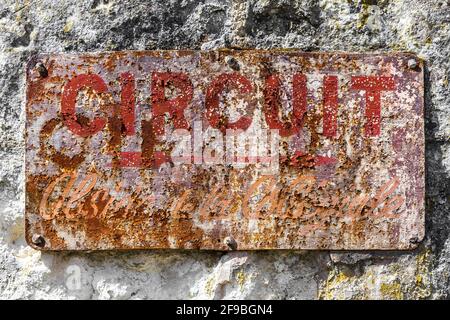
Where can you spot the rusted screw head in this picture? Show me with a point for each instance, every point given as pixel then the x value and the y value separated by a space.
pixel 232 63
pixel 231 243
pixel 412 64
pixel 38 240
pixel 41 69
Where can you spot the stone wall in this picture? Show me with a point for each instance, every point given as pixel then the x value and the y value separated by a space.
pixel 30 26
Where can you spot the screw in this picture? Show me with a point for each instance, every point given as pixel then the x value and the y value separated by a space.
pixel 41 69
pixel 38 240
pixel 232 63
pixel 231 243
pixel 412 64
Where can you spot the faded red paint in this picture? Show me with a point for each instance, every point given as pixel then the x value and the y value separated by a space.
pixel 130 159
pixel 330 105
pixel 174 107
pixel 272 108
pixel 100 174
pixel 373 86
pixel 221 83
pixel 128 103
pixel 68 101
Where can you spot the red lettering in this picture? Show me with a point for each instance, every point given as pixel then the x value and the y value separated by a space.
pixel 127 103
pixel 330 105
pixel 299 103
pixel 68 101
pixel 174 106
pixel 219 84
pixel 373 87
pixel 271 104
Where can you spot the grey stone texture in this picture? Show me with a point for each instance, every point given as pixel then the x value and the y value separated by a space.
pixel 31 26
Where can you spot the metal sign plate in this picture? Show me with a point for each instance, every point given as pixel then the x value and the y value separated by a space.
pixel 224 150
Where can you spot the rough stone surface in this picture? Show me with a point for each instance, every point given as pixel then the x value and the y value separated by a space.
pixel 419 26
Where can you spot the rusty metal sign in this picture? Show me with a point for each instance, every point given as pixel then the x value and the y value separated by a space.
pixel 224 150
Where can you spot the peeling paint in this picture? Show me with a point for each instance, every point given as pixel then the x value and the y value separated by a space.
pixel 102 174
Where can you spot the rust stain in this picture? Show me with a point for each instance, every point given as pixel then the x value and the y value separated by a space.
pixel 197 150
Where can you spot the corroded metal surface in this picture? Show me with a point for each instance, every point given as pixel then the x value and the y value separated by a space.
pixel 224 150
